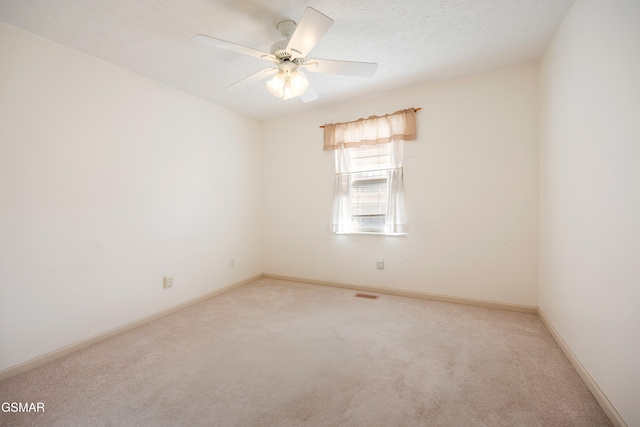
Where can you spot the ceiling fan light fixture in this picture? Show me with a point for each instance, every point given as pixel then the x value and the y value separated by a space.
pixel 276 85
pixel 288 84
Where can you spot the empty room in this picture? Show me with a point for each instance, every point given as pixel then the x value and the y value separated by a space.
pixel 287 213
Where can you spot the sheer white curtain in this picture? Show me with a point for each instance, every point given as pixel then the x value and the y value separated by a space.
pixel 390 129
pixel 340 221
pixel 396 220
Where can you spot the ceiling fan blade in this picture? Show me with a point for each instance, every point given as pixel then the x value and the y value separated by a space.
pixel 253 78
pixel 223 44
pixel 345 68
pixel 309 30
pixel 309 95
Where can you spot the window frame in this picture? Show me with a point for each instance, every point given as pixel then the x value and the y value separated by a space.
pixel 379 170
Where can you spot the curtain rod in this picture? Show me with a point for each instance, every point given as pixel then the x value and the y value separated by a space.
pixel 415 109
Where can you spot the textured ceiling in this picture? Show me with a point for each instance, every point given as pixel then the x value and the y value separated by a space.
pixel 413 41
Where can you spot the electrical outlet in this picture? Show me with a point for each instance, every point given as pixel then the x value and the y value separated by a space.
pixel 380 264
pixel 232 263
pixel 168 281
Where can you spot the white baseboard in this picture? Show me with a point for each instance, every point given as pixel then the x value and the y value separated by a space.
pixel 64 351
pixel 413 294
pixel 591 384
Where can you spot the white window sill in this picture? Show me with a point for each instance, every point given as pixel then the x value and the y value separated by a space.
pixel 371 233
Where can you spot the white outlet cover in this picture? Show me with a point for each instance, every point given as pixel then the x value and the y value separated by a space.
pixel 168 281
pixel 380 264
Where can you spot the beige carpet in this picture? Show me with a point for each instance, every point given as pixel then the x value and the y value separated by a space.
pixel 276 353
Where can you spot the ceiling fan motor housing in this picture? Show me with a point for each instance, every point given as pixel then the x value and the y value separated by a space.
pixel 279 49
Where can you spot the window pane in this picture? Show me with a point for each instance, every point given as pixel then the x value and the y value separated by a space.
pixel 369 200
pixel 368 223
pixel 370 157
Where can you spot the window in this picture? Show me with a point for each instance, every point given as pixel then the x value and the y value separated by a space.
pixel 369 193
pixel 369 187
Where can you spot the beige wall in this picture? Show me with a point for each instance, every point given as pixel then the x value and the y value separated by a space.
pixel 590 194
pixel 108 182
pixel 471 182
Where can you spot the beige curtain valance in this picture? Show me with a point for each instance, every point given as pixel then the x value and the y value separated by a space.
pixel 400 125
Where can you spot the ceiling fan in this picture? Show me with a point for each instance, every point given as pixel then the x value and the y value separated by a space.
pixel 290 55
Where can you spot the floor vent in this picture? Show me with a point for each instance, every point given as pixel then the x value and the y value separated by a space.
pixel 367 296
